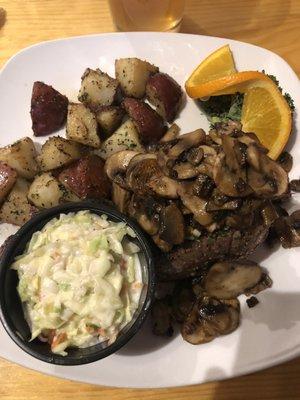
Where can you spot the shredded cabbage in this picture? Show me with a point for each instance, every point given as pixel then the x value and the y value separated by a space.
pixel 79 280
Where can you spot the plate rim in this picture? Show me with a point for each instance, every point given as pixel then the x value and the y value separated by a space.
pixel 283 356
pixel 141 33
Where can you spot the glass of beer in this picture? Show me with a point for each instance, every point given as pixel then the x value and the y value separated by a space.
pixel 147 15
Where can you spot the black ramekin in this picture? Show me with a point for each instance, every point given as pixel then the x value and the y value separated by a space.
pixel 11 312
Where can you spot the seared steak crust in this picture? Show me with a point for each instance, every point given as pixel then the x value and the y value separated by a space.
pixel 192 257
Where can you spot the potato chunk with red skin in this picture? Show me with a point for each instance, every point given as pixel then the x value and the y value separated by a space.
pixel 48 109
pixel 165 95
pixel 8 177
pixel 16 208
pixel 86 178
pixel 150 125
pixel 82 126
pixel 21 156
pixel 133 73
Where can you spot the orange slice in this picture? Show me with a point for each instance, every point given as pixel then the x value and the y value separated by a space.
pixel 229 84
pixel 266 113
pixel 218 64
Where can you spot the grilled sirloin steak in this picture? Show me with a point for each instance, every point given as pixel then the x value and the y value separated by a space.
pixel 192 257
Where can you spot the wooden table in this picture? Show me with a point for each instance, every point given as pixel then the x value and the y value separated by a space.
pixel 274 24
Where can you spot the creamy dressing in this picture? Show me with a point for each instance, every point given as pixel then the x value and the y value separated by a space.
pixel 79 280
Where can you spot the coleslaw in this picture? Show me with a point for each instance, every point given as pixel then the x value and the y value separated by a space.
pixel 79 280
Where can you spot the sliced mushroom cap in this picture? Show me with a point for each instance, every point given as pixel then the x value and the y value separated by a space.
pixel 197 206
pixel 172 227
pixel 295 219
pixel 183 299
pixel 229 205
pixel 208 161
pixel 139 173
pixel 120 197
pixel 178 159
pixel 230 127
pixel 162 244
pixel 219 198
pixel 209 319
pixel 117 163
pixel 185 171
pixel 228 279
pixel 141 157
pixel 164 186
pixel 137 210
pixel 266 177
pixel 235 155
pixel 149 225
pixel 171 134
pixel 288 230
pixel 215 136
pixel 203 186
pixel 286 161
pixel 226 181
pixel 198 160
pixel 195 155
pixel 187 141
pixel 265 282
pixel 248 215
pixel 269 214
pixel 261 184
pixel 209 154
pixel 144 174
pixel 251 138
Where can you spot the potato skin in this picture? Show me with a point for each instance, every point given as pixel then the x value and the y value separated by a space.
pixel 98 89
pixel 16 208
pixel 165 94
pixel 124 138
pixel 57 152
pixel 82 126
pixel 109 119
pixel 21 156
pixel 48 109
pixel 86 178
pixel 8 177
pixel 133 73
pixel 150 125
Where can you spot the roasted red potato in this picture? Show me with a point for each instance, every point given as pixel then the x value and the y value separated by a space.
pixel 21 156
pixel 164 94
pixel 133 73
pixel 57 152
pixel 8 177
pixel 150 125
pixel 98 89
pixel 48 109
pixel 16 209
pixel 82 125
pixel 86 178
pixel 109 119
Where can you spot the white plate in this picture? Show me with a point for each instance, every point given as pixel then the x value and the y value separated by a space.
pixel 269 333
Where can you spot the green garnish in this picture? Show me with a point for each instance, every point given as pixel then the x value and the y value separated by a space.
pixel 287 96
pixel 223 108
